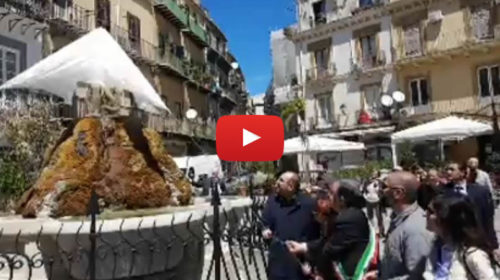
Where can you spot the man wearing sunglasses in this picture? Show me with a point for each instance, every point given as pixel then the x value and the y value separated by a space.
pixel 408 241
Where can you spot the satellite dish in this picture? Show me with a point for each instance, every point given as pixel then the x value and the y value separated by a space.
pixel 235 65
pixel 386 100
pixel 398 96
pixel 191 114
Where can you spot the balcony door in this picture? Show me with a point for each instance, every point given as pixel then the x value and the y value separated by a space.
pixel 134 32
pixel 103 14
pixel 324 110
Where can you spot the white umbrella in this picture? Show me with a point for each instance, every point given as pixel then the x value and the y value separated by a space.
pixel 446 129
pixel 320 144
pixel 449 128
pixel 95 57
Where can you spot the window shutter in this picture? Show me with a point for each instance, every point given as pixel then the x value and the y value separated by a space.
pixel 378 50
pixel 412 44
pixel 359 57
pixel 481 22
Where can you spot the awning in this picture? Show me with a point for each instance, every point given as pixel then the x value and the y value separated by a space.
pixel 361 132
pixel 320 144
pixel 449 128
pixel 94 58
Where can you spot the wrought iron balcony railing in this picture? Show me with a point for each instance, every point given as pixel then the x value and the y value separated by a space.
pixel 321 72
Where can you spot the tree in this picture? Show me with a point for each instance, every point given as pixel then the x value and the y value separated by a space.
pixel 27 135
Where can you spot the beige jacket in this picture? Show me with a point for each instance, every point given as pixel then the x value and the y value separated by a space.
pixel 477 261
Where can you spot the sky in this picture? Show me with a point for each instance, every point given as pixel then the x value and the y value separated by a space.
pixel 247 25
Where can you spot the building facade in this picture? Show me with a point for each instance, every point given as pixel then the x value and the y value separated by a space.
pixel 446 56
pixel 175 43
pixel 351 53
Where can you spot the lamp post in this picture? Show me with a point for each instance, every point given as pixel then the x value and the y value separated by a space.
pixel 393 102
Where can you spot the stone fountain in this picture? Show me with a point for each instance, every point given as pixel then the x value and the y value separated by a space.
pixel 106 149
pixel 150 228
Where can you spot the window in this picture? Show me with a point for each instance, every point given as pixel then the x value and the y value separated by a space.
pixel 365 3
pixel 368 50
pixel 372 94
pixel 489 81
pixel 412 42
pixel 178 110
pixel 9 68
pixel 9 63
pixel 103 18
pixel 324 109
pixel 482 22
pixel 319 9
pixel 419 92
pixel 322 58
pixel 134 32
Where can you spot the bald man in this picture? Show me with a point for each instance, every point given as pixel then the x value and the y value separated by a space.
pixel 482 178
pixel 288 215
pixel 408 242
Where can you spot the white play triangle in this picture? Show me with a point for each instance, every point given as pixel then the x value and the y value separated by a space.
pixel 249 137
pixel 95 57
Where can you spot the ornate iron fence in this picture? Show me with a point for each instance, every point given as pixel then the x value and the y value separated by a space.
pixel 220 244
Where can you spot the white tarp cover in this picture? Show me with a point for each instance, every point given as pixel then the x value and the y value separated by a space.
pixel 204 164
pixel 320 144
pixel 449 128
pixel 95 58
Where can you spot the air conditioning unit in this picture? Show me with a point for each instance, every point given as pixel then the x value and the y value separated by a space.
pixel 435 16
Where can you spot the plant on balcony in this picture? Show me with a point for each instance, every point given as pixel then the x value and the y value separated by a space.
pixel 296 108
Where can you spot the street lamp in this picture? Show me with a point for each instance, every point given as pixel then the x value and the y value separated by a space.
pixel 191 114
pixel 393 101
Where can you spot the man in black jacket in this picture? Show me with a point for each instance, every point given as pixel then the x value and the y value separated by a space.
pixel 288 215
pixel 480 195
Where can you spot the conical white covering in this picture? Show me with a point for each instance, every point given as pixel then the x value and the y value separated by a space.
pixel 95 57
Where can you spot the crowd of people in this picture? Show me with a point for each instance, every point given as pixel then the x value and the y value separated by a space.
pixel 441 227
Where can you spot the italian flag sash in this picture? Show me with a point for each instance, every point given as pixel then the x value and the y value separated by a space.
pixel 364 262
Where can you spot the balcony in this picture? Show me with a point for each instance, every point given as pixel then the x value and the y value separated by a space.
pixel 322 124
pixel 137 49
pixel 286 94
pixel 36 10
pixel 199 128
pixel 320 72
pixel 73 18
pixel 231 94
pixel 196 31
pixel 173 12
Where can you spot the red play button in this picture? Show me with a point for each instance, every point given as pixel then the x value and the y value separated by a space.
pixel 250 138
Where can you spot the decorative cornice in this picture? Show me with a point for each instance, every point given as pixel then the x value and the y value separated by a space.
pixel 393 8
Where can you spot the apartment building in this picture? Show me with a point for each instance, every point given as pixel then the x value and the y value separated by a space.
pixel 344 66
pixel 447 56
pixel 441 55
pixel 175 43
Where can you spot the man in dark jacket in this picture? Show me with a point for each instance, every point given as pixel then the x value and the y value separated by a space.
pixel 288 215
pixel 480 195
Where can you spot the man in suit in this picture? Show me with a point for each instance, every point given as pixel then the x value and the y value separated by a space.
pixel 480 195
pixel 288 215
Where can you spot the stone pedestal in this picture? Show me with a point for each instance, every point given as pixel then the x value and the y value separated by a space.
pixel 162 246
